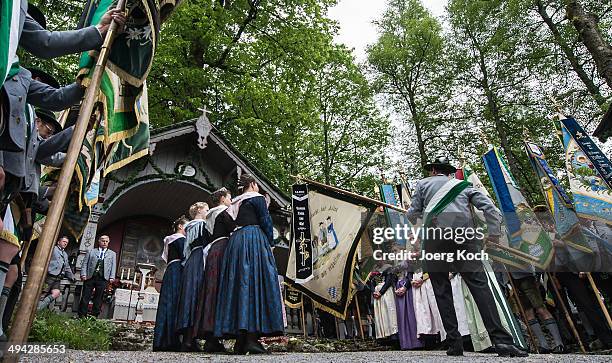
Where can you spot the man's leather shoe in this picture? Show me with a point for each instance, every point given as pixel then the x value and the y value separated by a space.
pixel 559 349
pixel 254 347
pixel 509 350
pixel 455 349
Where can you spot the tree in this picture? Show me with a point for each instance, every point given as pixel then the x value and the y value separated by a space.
pixel 352 135
pixel 495 59
pixel 407 64
pixel 587 26
pixel 569 52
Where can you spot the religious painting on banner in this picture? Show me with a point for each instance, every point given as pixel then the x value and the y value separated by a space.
pixel 525 233
pixel 589 172
pixel 336 223
pixel 496 253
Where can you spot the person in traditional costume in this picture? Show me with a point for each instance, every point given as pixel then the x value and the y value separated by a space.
pixel 568 276
pixel 220 225
pixel 478 331
pixel 165 337
pixel 459 304
pixel 428 319
pixel 406 318
pixel 444 202
pixel 249 301
pixel 385 315
pixel 197 237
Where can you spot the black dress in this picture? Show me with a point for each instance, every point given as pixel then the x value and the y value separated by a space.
pixel 165 337
pixel 224 225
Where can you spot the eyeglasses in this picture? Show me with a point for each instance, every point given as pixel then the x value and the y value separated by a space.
pixel 51 129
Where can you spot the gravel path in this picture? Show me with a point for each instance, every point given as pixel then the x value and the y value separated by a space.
pixel 353 357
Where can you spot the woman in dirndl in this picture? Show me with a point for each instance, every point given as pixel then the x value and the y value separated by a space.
pixel 197 237
pixel 249 301
pixel 165 337
pixel 220 225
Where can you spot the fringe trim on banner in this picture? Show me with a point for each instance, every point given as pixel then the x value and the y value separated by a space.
pixel 124 162
pixel 351 294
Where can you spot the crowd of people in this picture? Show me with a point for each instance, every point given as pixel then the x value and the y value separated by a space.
pixel 30 134
pixel 480 304
pixel 221 280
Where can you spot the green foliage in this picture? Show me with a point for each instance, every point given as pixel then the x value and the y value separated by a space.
pixel 83 334
pixel 279 89
pixel 294 102
pixel 408 61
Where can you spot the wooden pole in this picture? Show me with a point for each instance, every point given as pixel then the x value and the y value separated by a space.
pixel 598 297
pixel 315 326
pixel 303 318
pixel 29 299
pixel 554 281
pixel 359 319
pixel 520 305
pixel 354 195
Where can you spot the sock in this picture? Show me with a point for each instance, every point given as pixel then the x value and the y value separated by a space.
pixel 45 302
pixel 552 327
pixel 537 331
pixel 3 270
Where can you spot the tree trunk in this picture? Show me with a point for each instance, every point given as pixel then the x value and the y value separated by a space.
pixel 416 120
pixel 421 145
pixel 586 25
pixel 494 115
pixel 569 54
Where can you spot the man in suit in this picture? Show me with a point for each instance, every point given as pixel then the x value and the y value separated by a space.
pixel 98 269
pixel 58 268
pixel 445 203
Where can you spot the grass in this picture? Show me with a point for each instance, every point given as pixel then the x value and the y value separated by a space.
pixel 81 334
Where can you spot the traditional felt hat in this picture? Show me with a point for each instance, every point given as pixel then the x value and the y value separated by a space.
pixel 37 15
pixel 44 77
pixel 441 164
pixel 48 116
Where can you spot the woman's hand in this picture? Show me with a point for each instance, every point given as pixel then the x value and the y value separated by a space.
pixel 376 295
pixel 401 291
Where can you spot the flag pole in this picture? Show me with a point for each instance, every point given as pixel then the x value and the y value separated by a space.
pixel 303 315
pixel 359 318
pixel 515 293
pixel 554 281
pixel 351 194
pixel 29 299
pixel 598 297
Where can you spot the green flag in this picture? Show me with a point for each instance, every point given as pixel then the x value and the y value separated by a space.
pixel 10 11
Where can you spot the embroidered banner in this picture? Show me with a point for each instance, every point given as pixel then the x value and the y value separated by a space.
pixel 525 233
pixel 496 253
pixel 598 159
pixel 587 168
pixel 293 298
pixel 337 223
pixel 559 203
pixel 302 240
pixel 395 219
